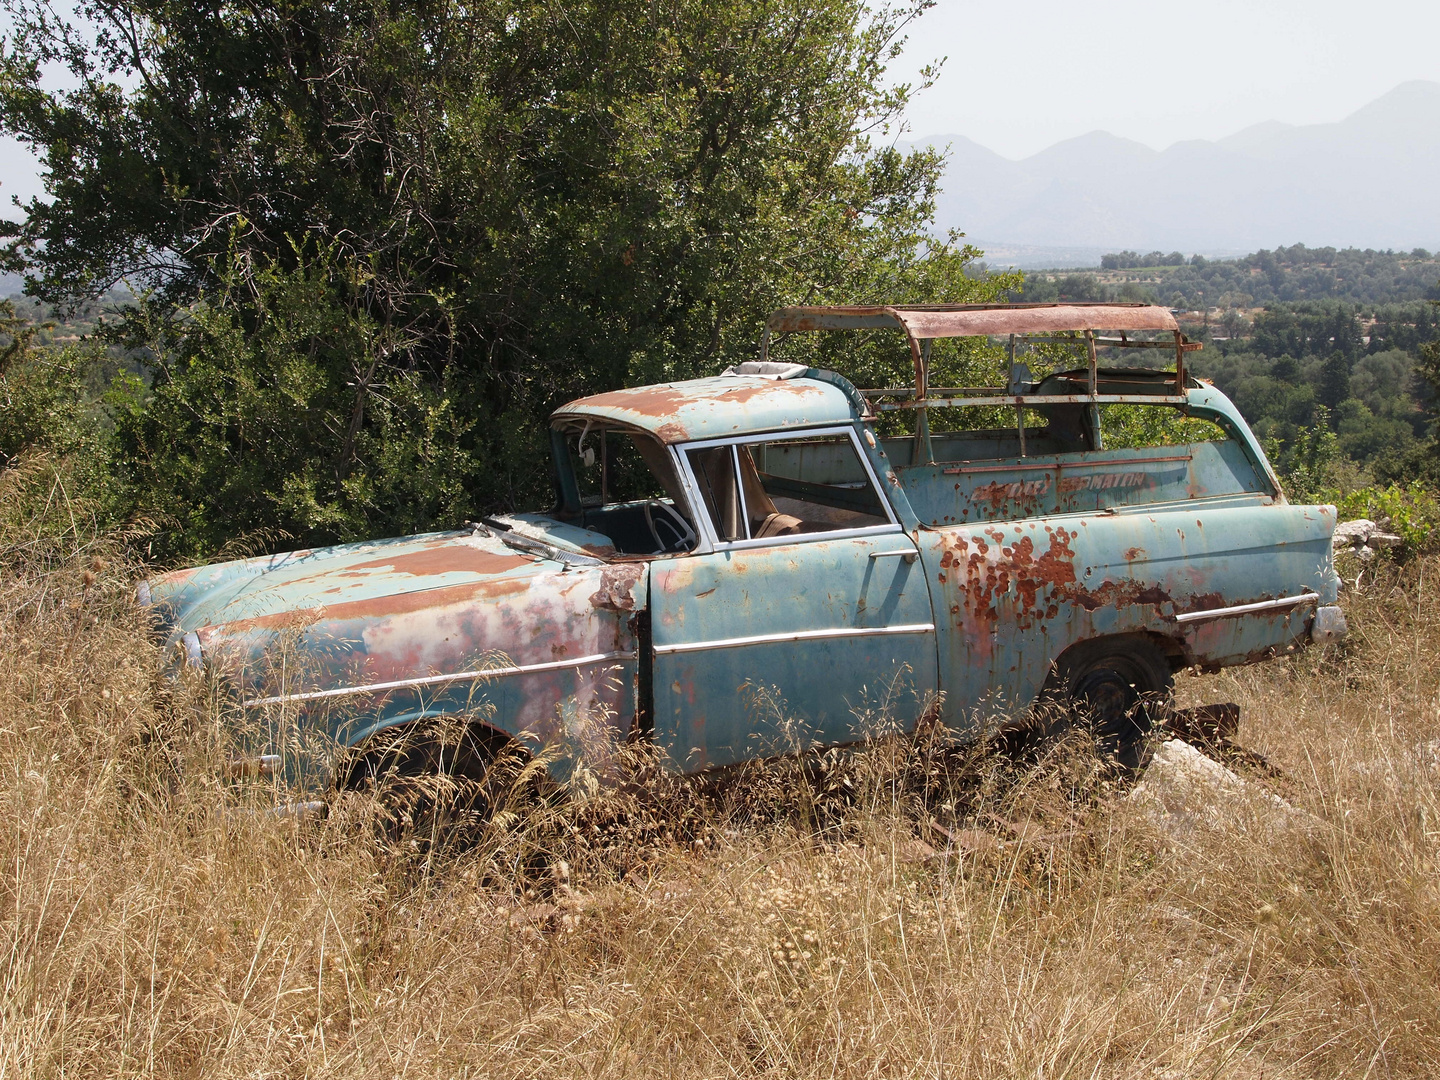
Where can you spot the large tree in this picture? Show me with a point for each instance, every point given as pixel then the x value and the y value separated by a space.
pixel 377 242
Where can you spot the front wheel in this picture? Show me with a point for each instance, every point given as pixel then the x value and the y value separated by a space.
pixel 1117 690
pixel 434 782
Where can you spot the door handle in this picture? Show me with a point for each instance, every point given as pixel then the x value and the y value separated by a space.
pixel 908 556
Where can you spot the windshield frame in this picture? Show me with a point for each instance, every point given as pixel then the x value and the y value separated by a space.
pixel 570 505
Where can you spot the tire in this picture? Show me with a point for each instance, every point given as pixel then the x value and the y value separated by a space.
pixel 1117 688
pixel 433 782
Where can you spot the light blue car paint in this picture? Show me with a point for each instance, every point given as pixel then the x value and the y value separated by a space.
pixel 956 582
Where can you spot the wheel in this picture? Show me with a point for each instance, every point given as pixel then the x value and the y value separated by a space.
pixel 434 782
pixel 1116 688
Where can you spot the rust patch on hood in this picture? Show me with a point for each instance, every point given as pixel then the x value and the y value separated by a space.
pixel 447 557
pixel 375 607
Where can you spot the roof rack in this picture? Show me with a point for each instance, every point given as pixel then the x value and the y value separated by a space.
pixel 1023 323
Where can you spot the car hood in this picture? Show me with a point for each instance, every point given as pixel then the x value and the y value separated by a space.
pixel 413 608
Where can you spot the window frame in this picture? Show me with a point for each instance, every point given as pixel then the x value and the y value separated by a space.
pixel 734 442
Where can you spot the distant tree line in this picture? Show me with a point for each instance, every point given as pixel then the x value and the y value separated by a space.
pixel 1286 274
pixel 1128 260
pixel 1360 369
pixel 1360 374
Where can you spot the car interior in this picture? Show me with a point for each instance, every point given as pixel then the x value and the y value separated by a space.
pixel 630 493
pixel 786 487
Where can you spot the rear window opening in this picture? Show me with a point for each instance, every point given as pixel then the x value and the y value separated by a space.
pixel 1053 430
pixel 1077 458
pixel 1063 448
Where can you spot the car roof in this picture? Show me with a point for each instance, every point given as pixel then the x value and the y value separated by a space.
pixel 725 405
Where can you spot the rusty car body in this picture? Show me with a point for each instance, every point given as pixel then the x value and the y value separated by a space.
pixel 720 538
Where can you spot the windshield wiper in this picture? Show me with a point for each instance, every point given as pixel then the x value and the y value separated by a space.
pixel 511 539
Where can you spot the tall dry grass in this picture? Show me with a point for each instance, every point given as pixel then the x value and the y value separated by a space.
pixel 155 924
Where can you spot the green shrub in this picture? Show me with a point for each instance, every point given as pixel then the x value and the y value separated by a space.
pixel 1410 511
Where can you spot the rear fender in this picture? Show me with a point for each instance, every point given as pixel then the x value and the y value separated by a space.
pixel 1013 596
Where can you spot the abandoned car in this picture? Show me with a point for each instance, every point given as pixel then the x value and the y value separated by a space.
pixel 775 529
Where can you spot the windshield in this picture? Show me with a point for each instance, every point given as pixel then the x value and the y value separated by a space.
pixel 622 484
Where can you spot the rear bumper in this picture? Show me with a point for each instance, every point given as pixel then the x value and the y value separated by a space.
pixel 1329 625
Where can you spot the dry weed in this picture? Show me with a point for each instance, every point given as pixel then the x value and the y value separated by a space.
pixel 872 915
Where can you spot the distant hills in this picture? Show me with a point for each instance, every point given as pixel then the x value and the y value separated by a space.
pixel 1370 181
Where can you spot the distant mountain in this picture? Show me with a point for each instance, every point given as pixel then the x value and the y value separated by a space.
pixel 1371 180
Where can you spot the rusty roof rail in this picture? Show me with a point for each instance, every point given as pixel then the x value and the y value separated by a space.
pixel 928 321
pixel 924 323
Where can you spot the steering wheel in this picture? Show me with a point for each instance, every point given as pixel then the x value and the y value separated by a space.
pixel 681 536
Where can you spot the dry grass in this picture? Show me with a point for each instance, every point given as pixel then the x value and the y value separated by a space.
pixel 154 925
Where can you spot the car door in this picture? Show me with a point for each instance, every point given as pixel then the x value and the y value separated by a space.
pixel 806 622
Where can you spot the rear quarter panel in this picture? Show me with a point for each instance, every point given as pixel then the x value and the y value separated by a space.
pixel 1012 596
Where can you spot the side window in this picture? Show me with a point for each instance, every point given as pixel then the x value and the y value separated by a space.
pixel 786 487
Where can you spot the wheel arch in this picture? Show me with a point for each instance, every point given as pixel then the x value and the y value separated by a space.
pixel 371 739
pixel 1091 648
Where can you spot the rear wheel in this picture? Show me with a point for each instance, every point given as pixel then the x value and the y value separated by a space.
pixel 1117 689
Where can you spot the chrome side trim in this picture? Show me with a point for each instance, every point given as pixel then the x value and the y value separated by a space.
pixel 436 680
pixel 798 635
pixel 1246 609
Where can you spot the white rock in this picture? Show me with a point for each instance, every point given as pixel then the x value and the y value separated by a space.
pixel 1363 533
pixel 1349 533
pixel 1183 791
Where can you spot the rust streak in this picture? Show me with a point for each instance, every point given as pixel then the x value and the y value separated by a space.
pixel 448 557
pixel 381 607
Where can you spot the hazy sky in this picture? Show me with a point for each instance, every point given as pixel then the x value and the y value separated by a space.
pixel 1020 77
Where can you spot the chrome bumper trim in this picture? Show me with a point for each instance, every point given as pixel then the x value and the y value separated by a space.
pixel 1246 609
